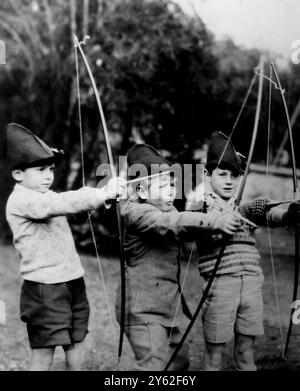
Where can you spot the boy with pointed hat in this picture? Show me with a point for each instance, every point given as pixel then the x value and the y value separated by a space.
pixel 53 301
pixel 155 308
pixel 234 306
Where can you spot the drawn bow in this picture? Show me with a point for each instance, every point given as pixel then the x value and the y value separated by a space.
pixel 78 45
pixel 238 200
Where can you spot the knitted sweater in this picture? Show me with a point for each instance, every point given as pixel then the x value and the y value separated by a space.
pixel 41 233
pixel 240 255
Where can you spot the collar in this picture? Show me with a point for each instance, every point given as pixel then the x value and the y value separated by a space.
pixel 211 197
pixel 20 188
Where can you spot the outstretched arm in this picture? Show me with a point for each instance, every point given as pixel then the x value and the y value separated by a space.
pixel 259 212
pixel 148 219
pixel 39 206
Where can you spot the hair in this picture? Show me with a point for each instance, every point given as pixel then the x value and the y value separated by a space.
pixel 223 166
pixel 37 163
pixel 24 167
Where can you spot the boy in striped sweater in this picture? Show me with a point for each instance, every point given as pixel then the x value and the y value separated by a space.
pixel 234 306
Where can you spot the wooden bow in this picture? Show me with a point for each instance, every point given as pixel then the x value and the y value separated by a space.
pixel 117 206
pixel 238 200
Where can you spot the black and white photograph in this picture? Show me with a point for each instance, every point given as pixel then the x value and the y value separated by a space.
pixel 149 188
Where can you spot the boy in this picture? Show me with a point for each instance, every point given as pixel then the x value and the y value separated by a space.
pixel 153 228
pixel 53 299
pixel 234 305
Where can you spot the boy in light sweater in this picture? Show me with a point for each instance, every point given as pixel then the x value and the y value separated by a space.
pixel 53 299
pixel 234 306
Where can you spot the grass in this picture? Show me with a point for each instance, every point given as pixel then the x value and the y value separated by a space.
pixel 101 351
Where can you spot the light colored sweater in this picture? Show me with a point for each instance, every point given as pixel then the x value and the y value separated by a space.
pixel 41 233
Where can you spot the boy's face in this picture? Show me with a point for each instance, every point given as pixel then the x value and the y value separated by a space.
pixel 36 178
pixel 161 192
pixel 224 183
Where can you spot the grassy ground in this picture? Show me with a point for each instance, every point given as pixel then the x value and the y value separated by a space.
pixel 101 349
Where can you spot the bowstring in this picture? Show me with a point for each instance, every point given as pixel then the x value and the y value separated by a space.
pixel 268 226
pixel 80 119
pixel 89 214
pixel 205 294
pixel 238 117
pixel 181 293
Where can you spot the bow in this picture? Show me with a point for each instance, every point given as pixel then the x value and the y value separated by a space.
pixel 296 196
pixel 77 45
pixel 237 202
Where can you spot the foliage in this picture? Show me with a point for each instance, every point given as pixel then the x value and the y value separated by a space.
pixel 163 80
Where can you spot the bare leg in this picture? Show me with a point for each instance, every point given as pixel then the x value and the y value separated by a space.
pixel 244 352
pixel 213 356
pixel 41 359
pixel 74 356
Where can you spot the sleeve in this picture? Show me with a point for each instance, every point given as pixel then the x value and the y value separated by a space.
pixel 147 219
pixel 45 205
pixel 255 210
pixel 275 217
pixel 258 212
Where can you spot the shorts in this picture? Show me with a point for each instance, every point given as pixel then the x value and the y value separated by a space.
pixel 55 314
pixel 234 305
pixel 153 345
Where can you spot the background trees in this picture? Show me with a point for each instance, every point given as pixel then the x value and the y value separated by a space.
pixel 163 79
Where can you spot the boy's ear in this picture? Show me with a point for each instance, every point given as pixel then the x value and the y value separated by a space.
pixel 142 192
pixel 17 175
pixel 207 176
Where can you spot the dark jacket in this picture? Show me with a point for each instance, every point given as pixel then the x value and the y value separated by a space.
pixel 152 249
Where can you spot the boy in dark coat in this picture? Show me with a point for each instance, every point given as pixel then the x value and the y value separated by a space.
pixel 153 229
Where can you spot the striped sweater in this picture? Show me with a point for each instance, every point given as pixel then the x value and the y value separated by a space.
pixel 240 255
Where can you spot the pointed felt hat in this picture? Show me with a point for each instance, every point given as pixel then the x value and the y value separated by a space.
pixel 24 149
pixel 221 153
pixel 143 160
